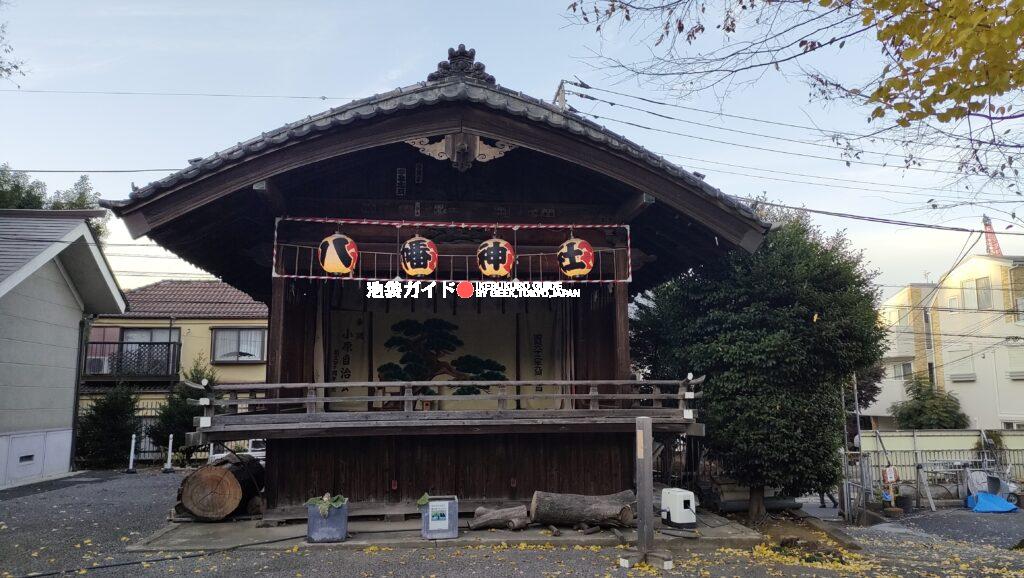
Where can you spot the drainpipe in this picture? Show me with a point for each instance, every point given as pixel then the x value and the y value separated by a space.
pixel 84 327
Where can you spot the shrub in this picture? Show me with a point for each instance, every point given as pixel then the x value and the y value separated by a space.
pixel 105 429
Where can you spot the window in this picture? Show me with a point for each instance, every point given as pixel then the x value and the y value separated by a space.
pixel 903 370
pixel 151 335
pixel 927 329
pixel 1020 309
pixel 931 373
pixel 238 345
pixel 961 364
pixel 970 294
pixel 954 304
pixel 1015 367
pixel 977 293
pixel 984 287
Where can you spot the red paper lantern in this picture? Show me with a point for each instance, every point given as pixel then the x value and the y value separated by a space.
pixel 495 258
pixel 575 258
pixel 338 254
pixel 418 257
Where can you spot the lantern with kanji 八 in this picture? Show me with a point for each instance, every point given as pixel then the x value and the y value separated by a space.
pixel 418 257
pixel 495 258
pixel 575 257
pixel 338 254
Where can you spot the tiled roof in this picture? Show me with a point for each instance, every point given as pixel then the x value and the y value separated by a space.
pixel 457 88
pixel 192 300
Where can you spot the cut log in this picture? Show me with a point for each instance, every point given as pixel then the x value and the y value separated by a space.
pixel 217 490
pixel 572 509
pixel 484 518
pixel 518 523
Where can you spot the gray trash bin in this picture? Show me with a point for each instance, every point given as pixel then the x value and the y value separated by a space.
pixel 441 518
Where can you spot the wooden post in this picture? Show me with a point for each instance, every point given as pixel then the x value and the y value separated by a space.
pixel 311 397
pixel 409 404
pixel 594 403
pixel 644 486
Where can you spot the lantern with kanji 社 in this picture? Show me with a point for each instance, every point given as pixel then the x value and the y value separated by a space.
pixel 575 258
pixel 418 257
pixel 338 254
pixel 495 258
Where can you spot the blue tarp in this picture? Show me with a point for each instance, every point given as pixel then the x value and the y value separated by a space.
pixel 989 503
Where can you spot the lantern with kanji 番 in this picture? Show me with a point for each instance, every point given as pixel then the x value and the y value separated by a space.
pixel 495 258
pixel 418 257
pixel 338 254
pixel 575 258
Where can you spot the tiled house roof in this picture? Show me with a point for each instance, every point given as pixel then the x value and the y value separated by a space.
pixel 192 300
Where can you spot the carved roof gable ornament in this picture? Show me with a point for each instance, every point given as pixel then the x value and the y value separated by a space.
pixel 462 149
pixel 461 62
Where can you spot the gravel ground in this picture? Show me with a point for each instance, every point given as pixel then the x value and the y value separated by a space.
pixel 86 521
pixel 999 530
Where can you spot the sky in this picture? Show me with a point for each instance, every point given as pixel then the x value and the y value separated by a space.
pixel 350 50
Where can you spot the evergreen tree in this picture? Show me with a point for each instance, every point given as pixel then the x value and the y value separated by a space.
pixel 778 333
pixel 177 416
pixel 928 407
pixel 105 429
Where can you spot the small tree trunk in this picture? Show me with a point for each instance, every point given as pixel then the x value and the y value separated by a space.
pixel 756 509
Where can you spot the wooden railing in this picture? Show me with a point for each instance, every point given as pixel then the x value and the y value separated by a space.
pixel 320 406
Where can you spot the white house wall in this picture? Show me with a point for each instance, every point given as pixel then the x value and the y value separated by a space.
pixel 39 329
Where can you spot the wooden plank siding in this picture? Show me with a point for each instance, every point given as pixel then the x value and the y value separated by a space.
pixel 401 468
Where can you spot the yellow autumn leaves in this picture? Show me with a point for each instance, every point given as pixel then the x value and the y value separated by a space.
pixel 947 58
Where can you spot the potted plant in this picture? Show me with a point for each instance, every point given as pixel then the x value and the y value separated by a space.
pixel 327 519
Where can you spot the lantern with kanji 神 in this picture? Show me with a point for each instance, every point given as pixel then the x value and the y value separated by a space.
pixel 575 258
pixel 495 258
pixel 418 257
pixel 338 254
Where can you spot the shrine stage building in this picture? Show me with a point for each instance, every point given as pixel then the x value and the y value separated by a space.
pixel 382 397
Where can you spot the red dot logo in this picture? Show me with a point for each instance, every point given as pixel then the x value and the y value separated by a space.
pixel 464 289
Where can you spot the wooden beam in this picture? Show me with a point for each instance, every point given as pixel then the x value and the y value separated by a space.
pixel 270 194
pixel 632 208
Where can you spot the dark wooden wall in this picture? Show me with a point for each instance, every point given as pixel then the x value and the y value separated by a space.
pixel 392 469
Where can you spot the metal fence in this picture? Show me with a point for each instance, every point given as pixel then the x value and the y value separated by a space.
pixel 940 469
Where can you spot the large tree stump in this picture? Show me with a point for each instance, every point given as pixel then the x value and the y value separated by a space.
pixel 573 509
pixel 484 518
pixel 216 490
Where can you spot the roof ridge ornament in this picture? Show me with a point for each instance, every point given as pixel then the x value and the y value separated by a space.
pixel 461 63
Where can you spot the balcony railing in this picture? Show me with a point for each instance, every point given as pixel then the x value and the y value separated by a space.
pixel 130 360
pixel 238 411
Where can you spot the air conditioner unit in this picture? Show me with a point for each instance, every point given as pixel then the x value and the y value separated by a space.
pixel 97 365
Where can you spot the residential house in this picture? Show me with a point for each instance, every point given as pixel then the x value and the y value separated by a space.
pixel 966 334
pixel 53 277
pixel 167 326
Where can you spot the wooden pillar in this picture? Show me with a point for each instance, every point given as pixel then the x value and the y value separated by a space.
pixel 275 329
pixel 644 486
pixel 620 293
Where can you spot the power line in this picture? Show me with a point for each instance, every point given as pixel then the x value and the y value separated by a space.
pixel 767 149
pixel 850 135
pixel 741 131
pixel 881 220
pixel 812 176
pixel 81 171
pixel 191 94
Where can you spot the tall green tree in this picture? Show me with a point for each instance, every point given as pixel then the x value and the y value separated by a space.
pixel 177 416
pixel 928 407
pixel 105 429
pixel 777 333
pixel 19 191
